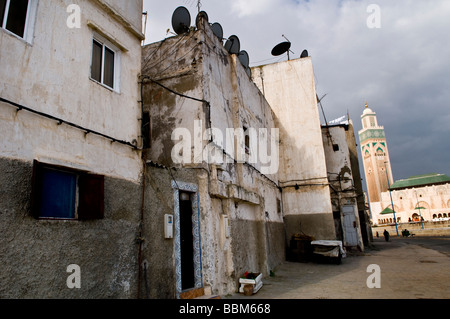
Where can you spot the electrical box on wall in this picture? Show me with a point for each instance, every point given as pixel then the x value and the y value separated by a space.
pixel 227 226
pixel 168 226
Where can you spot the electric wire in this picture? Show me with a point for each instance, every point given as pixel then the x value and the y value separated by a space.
pixel 61 121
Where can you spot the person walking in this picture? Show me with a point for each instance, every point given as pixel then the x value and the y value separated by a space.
pixel 386 235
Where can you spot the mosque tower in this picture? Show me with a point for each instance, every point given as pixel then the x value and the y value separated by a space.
pixel 375 155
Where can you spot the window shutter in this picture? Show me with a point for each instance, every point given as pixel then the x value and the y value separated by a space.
pixel 17 17
pixel 2 11
pixel 36 189
pixel 91 197
pixel 96 67
pixel 108 75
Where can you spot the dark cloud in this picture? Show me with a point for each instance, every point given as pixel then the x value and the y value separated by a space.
pixel 401 69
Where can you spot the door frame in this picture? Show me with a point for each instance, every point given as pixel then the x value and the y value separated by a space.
pixel 195 199
pixel 346 229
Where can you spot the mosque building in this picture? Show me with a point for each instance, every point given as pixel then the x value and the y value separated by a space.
pixel 417 199
pixel 375 156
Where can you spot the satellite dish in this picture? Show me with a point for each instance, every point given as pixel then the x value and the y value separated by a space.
pixel 305 54
pixel 201 14
pixel 181 20
pixel 281 48
pixel 249 72
pixel 217 30
pixel 244 58
pixel 233 45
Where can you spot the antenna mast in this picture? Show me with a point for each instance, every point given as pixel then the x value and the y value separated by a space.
pixel 289 48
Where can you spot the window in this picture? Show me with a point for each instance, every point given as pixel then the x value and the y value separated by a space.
pixel 279 209
pixel 13 16
pixel 64 193
pixel 146 130
pixel 104 61
pixel 247 140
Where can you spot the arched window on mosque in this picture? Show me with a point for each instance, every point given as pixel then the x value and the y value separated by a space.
pixel 380 152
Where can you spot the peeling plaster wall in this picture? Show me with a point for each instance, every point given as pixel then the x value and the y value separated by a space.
pixel 55 79
pixel 51 74
pixel 290 90
pixel 340 175
pixel 197 66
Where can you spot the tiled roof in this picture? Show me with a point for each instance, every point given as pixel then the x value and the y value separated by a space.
pixel 421 180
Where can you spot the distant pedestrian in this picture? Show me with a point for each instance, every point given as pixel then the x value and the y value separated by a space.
pixel 386 235
pixel 378 235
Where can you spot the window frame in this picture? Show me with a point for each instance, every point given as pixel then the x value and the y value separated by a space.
pixel 89 198
pixel 106 44
pixel 30 20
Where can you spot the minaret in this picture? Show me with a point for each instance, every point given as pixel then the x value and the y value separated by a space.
pixel 375 155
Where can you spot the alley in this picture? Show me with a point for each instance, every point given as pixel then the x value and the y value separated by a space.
pixel 411 268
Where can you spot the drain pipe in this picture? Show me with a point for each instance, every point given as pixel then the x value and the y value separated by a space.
pixel 140 239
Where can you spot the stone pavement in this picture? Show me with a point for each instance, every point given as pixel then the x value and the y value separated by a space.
pixel 408 271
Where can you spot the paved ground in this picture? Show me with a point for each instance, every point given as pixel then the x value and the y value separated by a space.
pixel 411 268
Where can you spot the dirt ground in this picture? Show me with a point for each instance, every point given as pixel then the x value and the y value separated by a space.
pixel 409 268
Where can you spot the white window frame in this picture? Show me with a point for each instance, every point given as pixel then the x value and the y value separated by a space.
pixel 117 55
pixel 30 21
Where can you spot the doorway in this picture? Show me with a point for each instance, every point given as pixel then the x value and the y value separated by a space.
pixel 186 243
pixel 350 226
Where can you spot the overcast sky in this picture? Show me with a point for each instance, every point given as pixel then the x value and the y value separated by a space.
pixel 402 68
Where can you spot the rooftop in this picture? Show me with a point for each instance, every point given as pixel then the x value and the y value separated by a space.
pixel 421 180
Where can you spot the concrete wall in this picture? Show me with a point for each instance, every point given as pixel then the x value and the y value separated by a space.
pixel 364 212
pixel 290 90
pixel 49 72
pixel 130 11
pixel 55 79
pixel 340 175
pixel 35 254
pixel 196 66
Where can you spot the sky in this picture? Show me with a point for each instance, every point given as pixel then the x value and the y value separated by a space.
pixel 394 54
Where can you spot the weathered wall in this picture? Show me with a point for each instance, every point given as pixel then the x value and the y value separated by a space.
pixel 364 218
pixel 35 254
pixel 130 11
pixel 173 63
pixel 55 79
pixel 51 74
pixel 340 175
pixel 196 66
pixel 290 90
pixel 158 253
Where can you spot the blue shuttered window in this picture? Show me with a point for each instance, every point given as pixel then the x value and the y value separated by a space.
pixel 63 193
pixel 59 190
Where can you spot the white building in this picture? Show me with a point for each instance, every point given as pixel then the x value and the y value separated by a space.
pixel 303 172
pixel 423 197
pixel 70 165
